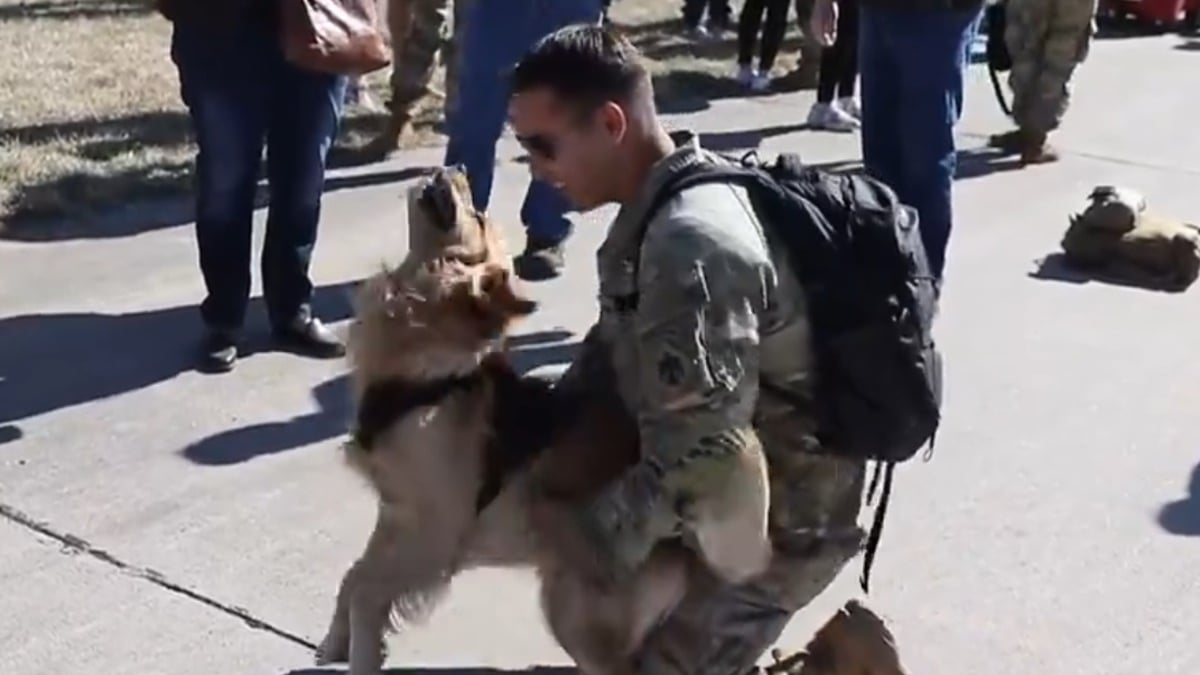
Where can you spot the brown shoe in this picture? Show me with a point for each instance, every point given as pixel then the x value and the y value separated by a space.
pixel 1035 150
pixel 854 642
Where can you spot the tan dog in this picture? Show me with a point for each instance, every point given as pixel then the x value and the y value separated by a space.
pixel 458 449
pixel 443 427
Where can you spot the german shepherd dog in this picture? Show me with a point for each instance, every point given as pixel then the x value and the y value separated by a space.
pixel 467 469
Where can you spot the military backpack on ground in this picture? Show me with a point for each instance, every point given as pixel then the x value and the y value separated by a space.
pixel 1117 238
pixel 871 303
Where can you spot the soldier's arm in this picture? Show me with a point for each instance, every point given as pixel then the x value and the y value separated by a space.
pixel 590 362
pixel 697 352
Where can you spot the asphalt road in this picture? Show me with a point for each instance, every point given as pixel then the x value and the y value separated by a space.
pixel 156 520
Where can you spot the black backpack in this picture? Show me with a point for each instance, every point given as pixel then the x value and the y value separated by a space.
pixel 871 302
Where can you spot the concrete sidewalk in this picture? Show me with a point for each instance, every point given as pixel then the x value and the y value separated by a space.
pixel 155 520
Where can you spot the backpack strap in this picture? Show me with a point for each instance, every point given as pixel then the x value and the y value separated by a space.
pixel 691 176
pixel 805 267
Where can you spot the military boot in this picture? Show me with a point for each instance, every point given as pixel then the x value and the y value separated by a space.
pixel 1035 150
pixel 389 139
pixel 854 642
pixel 1009 142
pixel 541 260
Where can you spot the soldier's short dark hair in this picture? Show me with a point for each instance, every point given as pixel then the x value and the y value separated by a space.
pixel 586 64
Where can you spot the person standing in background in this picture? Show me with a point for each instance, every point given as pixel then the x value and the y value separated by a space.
pixel 1047 40
pixel 719 17
pixel 809 61
pixel 418 30
pixel 241 93
pixel 495 36
pixel 838 73
pixel 451 52
pixel 750 25
pixel 912 56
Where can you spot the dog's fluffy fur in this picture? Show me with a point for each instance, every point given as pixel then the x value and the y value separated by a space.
pixel 435 319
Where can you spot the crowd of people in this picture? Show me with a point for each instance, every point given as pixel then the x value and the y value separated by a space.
pixel 720 313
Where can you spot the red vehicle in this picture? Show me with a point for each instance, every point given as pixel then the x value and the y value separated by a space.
pixel 1164 14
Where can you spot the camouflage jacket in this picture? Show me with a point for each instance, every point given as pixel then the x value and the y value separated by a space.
pixel 715 312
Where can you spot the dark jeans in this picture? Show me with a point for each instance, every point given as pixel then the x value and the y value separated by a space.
pixel 839 62
pixel 497 34
pixel 718 12
pixel 750 23
pixel 912 64
pixel 241 93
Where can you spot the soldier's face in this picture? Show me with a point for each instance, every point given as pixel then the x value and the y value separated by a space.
pixel 569 148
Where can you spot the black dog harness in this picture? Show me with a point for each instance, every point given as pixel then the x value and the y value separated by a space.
pixel 521 416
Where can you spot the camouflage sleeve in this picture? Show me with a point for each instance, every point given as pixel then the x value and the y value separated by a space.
pixel 696 341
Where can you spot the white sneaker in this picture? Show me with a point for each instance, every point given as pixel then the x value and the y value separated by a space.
pixel 851 106
pixel 830 118
pixel 746 75
pixel 761 83
pixel 699 33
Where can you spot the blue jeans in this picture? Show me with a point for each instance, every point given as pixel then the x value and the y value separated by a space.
pixel 241 93
pixel 912 67
pixel 497 34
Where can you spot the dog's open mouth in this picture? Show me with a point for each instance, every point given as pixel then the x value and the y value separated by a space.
pixel 444 193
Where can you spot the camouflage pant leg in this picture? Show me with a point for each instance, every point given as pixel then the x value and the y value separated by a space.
pixel 415 53
pixel 724 629
pixel 451 52
pixel 1047 40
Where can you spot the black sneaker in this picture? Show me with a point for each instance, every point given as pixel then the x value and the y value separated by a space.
pixel 542 260
pixel 218 352
pixel 308 336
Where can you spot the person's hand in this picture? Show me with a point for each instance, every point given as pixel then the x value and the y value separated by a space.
pixel 602 537
pixel 823 23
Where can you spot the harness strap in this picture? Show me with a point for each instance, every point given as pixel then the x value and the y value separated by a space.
pixel 885 469
pixel 521 417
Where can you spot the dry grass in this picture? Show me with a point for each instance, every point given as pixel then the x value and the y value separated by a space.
pixel 90 116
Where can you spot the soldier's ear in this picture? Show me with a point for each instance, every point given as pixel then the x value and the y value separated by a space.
pixel 614 120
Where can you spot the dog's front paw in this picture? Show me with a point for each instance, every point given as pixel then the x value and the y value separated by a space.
pixel 335 648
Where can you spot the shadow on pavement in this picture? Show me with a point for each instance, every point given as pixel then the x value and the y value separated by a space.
pixel 10 433
pixel 1055 267
pixel 1182 517
pixel 54 361
pixel 976 162
pixel 744 139
pixel 334 410
pixel 336 183
pixel 461 670
pixel 242 444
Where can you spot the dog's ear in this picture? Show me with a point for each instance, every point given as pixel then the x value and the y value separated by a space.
pixel 497 295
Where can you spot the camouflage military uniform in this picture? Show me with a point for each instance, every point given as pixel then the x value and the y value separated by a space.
pixel 716 313
pixel 418 30
pixel 1047 40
